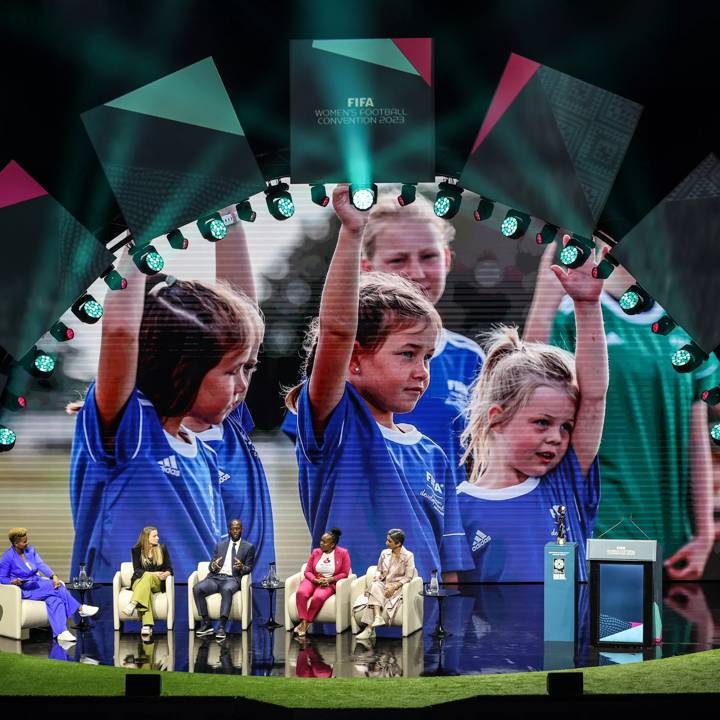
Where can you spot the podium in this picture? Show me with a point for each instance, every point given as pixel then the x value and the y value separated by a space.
pixel 625 593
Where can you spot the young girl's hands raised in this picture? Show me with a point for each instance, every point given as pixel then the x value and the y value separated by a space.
pixel 579 283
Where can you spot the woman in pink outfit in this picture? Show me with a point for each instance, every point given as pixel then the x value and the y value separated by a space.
pixel 326 565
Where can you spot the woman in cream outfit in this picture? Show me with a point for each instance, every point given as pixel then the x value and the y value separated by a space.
pixel 395 567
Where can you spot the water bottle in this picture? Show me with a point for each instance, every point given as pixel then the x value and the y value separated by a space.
pixel 434 585
pixel 272 575
pixel 82 577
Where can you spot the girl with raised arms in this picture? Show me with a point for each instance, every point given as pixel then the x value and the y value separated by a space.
pixel 535 421
pixel 368 357
pixel 184 350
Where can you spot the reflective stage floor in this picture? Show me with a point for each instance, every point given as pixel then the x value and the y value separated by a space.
pixel 494 629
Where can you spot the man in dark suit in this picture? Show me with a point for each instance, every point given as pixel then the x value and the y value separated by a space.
pixel 232 558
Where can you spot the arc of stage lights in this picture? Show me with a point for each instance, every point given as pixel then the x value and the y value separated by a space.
pixel 712 397
pixel 35 362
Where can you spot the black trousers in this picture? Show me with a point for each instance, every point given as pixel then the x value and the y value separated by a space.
pixel 223 584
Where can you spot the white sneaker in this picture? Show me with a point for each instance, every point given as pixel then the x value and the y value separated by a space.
pixel 365 634
pixel 129 609
pixel 66 636
pixel 378 621
pixel 146 630
pixel 87 610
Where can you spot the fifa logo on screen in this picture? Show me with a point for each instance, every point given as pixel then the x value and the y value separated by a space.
pixel 358 102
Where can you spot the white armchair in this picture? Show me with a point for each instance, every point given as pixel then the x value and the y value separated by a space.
pixel 410 617
pixel 241 608
pixel 163 603
pixel 335 610
pixel 17 616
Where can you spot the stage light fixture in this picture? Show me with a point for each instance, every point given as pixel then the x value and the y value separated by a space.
pixel 711 396
pixel 61 332
pixel 113 279
pixel 605 268
pixel 319 195
pixel 448 199
pixel 211 227
pixel 664 325
pixel 363 197
pixel 408 193
pixel 279 201
pixel 7 439
pixel 515 224
pixel 688 358
pixel 576 252
pixel 177 240
pixel 245 212
pixel 38 363
pixel 12 402
pixel 715 433
pixel 634 300
pixel 546 235
pixel 484 209
pixel 146 258
pixel 87 309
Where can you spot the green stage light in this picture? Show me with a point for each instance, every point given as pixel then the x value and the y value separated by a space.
pixel 634 300
pixel 279 201
pixel 484 209
pixel 146 258
pixel 711 396
pixel 177 240
pixel 7 439
pixel 113 279
pixel 212 227
pixel 688 358
pixel 715 434
pixel 546 235
pixel 408 193
pixel 245 212
pixel 604 268
pixel 664 325
pixel 515 224
pixel 38 363
pixel 61 332
pixel 576 252
pixel 363 197
pixel 87 309
pixel 448 200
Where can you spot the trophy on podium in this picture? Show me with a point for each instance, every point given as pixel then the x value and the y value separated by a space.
pixel 560 577
pixel 560 514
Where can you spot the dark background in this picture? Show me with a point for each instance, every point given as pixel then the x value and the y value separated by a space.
pixel 61 58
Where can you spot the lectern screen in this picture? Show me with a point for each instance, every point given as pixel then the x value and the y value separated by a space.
pixel 621 603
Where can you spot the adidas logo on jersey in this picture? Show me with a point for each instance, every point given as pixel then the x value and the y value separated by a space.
pixel 169 466
pixel 222 477
pixel 480 540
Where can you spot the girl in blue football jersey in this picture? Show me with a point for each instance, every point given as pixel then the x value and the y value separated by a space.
pixel 184 350
pixel 414 242
pixel 534 428
pixel 368 358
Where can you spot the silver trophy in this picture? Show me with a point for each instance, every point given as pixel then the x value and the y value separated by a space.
pixel 560 514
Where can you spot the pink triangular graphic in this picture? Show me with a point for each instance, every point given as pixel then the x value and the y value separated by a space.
pixel 516 75
pixel 17 186
pixel 418 51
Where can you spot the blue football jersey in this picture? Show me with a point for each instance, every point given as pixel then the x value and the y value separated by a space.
pixel 507 528
pixel 149 478
pixel 243 485
pixel 440 412
pixel 366 479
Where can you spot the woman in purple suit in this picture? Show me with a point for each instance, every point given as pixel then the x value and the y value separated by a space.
pixel 22 565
